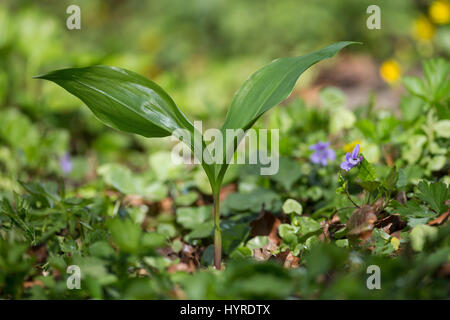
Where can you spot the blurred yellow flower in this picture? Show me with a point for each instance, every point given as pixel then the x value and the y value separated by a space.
pixel 423 29
pixel 440 11
pixel 395 243
pixel 350 146
pixel 390 71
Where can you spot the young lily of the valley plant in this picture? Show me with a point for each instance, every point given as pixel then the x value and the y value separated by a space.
pixel 132 103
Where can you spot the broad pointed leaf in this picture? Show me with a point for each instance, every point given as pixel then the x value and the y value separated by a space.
pixel 268 87
pixel 271 85
pixel 126 101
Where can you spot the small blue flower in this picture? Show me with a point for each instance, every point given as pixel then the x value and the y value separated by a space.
pixel 66 163
pixel 322 153
pixel 351 160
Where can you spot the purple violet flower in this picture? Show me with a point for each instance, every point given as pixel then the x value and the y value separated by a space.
pixel 351 160
pixel 66 163
pixel 322 153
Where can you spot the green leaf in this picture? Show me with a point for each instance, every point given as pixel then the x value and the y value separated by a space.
pixel 160 263
pixel 177 245
pixel 202 182
pixel 101 249
pixel 17 130
pixel 343 243
pixel 292 206
pixel 289 172
pixel 186 199
pixel 413 212
pixel 401 180
pixel 415 86
pixel 341 118
pixel 268 87
pixel 257 242
pixel 414 148
pixel 190 218
pixel 152 240
pixel 208 255
pixel 126 234
pixel 288 233
pixel 241 253
pixel 332 97
pixel 413 174
pixel 127 101
pixel 118 176
pixel 203 230
pixel 442 128
pixel 271 85
pixel 436 163
pixel 436 75
pixel 15 216
pixel 43 192
pixel 391 180
pixel 370 186
pixel 123 99
pixel 383 245
pixel 368 129
pixel 411 107
pixel 121 178
pixel 412 222
pixel 251 202
pixel 233 234
pixel 94 269
pixel 311 241
pixel 168 230
pixel 366 171
pixel 435 194
pixel 385 128
pixel 163 166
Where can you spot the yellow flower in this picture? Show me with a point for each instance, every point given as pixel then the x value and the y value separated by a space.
pixel 390 71
pixel 440 11
pixel 423 30
pixel 350 146
pixel 395 243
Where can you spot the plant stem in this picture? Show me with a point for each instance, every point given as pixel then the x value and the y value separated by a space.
pixel 217 231
pixel 349 198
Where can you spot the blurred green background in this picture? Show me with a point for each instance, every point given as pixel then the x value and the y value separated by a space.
pixel 200 52
pixel 79 181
